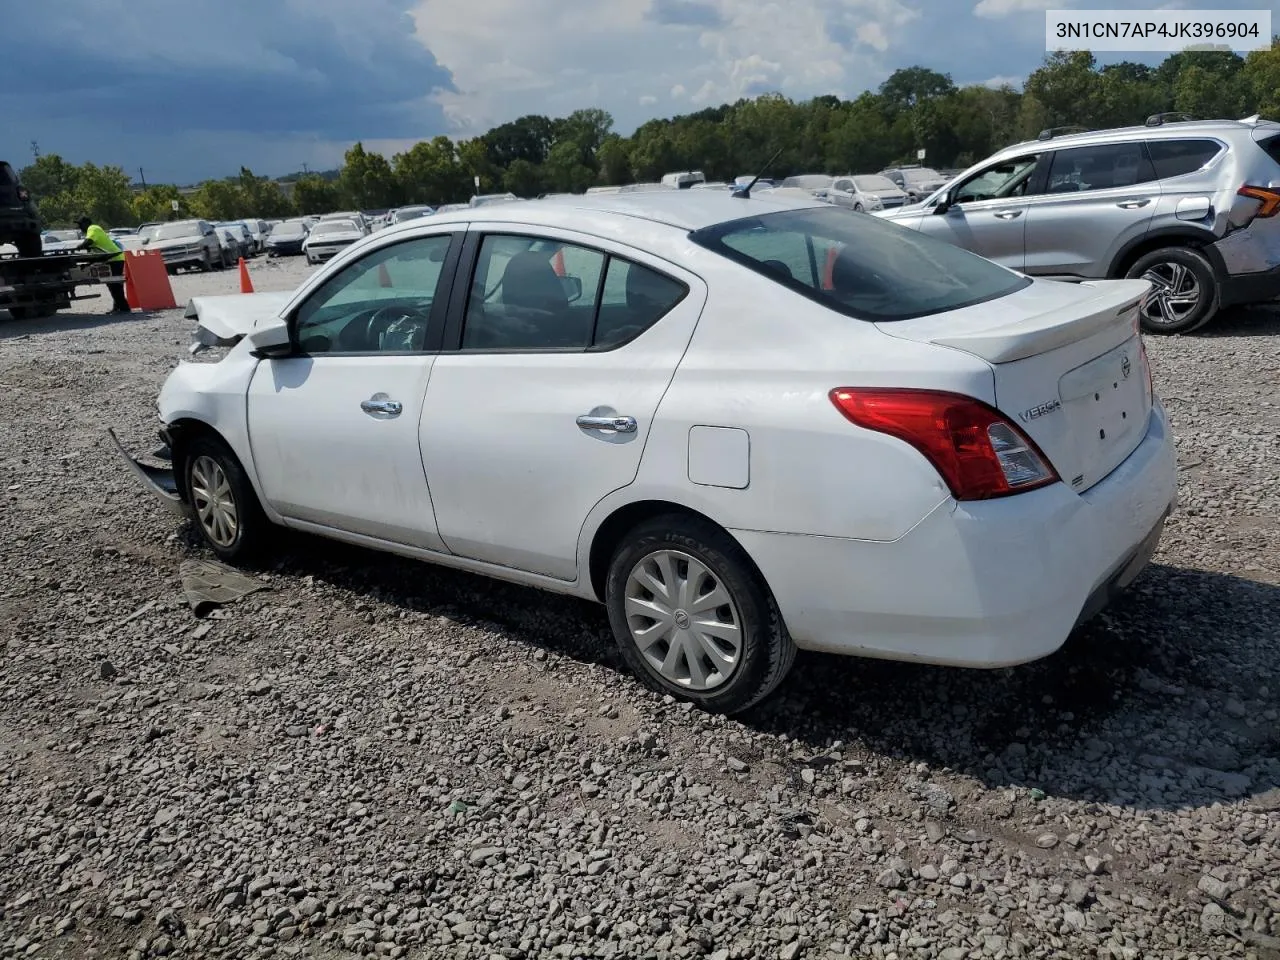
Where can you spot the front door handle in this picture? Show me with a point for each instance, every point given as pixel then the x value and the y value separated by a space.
pixel 388 408
pixel 1008 214
pixel 616 424
pixel 1133 204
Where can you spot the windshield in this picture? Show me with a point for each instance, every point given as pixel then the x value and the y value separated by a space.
pixel 863 267
pixel 62 236
pixel 412 213
pixel 334 226
pixel 875 183
pixel 290 228
pixel 921 175
pixel 809 181
pixel 176 231
pixel 147 233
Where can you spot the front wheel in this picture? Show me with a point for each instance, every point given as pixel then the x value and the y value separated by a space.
pixel 223 502
pixel 857 208
pixel 1184 295
pixel 692 616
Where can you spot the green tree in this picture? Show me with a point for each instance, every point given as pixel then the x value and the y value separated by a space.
pixel 910 86
pixel 1261 80
pixel 156 203
pixel 1206 96
pixel 1066 86
pixel 564 170
pixel 313 194
pixel 522 178
pixel 49 176
pixel 218 200
pixel 263 197
pixel 431 172
pixel 473 156
pixel 615 160
pixel 366 181
pixel 103 194
pixel 528 138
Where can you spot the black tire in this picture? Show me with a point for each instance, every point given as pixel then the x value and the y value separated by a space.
pixel 766 651
pixel 251 524
pixel 207 263
pixel 857 208
pixel 1166 313
pixel 18 313
pixel 28 244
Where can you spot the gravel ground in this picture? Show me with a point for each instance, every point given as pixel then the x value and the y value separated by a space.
pixel 380 757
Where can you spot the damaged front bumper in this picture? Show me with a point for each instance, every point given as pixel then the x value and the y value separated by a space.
pixel 159 480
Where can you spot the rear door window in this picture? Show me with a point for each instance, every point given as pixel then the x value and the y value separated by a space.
pixel 1100 167
pixel 1173 158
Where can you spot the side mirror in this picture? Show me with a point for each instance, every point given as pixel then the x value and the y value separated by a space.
pixel 944 205
pixel 270 338
pixel 572 288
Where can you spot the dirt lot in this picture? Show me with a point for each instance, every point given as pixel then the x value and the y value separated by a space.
pixel 376 756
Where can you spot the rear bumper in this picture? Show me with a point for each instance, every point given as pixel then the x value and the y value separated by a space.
pixel 160 481
pixel 984 584
pixel 1250 287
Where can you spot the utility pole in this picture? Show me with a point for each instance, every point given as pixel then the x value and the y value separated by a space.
pixel 304 169
pixel 143 177
pixel 35 149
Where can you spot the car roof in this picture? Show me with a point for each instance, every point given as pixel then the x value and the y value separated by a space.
pixel 1172 130
pixel 683 209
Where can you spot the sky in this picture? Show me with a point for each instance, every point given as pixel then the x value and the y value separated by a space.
pixel 191 91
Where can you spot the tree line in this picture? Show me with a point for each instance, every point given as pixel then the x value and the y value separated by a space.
pixel 915 108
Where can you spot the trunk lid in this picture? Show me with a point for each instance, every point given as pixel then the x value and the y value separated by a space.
pixel 1068 364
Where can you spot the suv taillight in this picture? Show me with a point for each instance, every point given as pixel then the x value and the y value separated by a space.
pixel 977 450
pixel 1268 198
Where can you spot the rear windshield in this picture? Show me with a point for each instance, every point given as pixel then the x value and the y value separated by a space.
pixel 1272 146
pixel 176 231
pixel 861 266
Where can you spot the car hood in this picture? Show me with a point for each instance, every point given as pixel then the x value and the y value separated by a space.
pixel 345 236
pixel 904 212
pixel 173 244
pixel 232 316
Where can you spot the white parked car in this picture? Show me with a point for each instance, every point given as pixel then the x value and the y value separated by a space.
pixel 411 213
pixel 185 243
pixel 62 241
pixel 329 237
pixel 866 192
pixel 745 425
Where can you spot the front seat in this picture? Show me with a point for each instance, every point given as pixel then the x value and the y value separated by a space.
pixel 530 284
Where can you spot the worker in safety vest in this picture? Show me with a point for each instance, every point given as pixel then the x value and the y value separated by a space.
pixel 96 238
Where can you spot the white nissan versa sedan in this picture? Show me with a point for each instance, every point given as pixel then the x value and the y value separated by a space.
pixel 745 425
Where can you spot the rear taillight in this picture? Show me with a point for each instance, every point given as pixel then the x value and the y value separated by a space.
pixel 977 450
pixel 1146 370
pixel 1266 196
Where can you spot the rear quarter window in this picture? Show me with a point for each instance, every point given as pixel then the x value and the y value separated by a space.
pixel 1272 147
pixel 1173 158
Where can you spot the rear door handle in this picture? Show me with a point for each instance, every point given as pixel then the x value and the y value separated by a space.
pixel 388 408
pixel 617 424
pixel 1007 214
pixel 1133 204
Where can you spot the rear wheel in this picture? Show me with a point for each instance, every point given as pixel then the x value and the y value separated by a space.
pixel 223 502
pixel 692 616
pixel 1184 295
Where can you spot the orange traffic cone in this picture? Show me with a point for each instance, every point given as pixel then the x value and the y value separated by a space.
pixel 557 263
pixel 246 285
pixel 828 269
pixel 384 278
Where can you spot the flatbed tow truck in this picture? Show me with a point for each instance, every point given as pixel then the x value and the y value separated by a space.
pixel 32 287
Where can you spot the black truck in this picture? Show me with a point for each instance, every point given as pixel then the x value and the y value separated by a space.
pixel 34 283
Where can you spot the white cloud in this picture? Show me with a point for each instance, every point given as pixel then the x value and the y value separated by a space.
pixel 996 82
pixel 511 57
pixel 648 100
pixel 1002 8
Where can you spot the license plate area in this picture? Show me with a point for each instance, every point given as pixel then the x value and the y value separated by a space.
pixel 1105 403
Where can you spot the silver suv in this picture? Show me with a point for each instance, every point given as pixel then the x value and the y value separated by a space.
pixel 1188 205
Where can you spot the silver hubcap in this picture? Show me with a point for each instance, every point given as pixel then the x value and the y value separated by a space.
pixel 1174 296
pixel 683 620
pixel 214 502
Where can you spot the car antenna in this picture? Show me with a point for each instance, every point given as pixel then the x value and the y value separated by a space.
pixel 744 193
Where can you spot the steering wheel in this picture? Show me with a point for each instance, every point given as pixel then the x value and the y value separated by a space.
pixel 383 318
